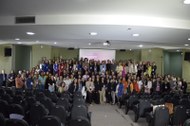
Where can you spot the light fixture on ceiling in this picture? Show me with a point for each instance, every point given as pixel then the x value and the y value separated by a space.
pixel 186 45
pixel 135 35
pixel 186 1
pixel 19 42
pixel 188 39
pixel 55 43
pixel 17 39
pixel 30 33
pixel 107 43
pixel 93 33
pixel 130 49
pixel 177 50
pixel 140 45
pixel 89 44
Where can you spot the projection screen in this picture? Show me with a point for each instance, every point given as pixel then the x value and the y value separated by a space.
pixel 97 54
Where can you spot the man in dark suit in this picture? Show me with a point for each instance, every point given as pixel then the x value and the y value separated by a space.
pixel 3 78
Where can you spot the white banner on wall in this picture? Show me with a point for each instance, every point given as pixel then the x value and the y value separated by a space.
pixel 97 54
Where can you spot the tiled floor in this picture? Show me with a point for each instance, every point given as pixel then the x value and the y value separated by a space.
pixel 111 115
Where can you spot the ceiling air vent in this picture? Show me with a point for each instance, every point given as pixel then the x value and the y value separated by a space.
pixel 23 20
pixel 122 50
pixel 70 48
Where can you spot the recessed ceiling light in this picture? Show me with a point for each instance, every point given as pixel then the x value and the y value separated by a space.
pixel 188 39
pixel 140 46
pixel 89 43
pixel 135 35
pixel 19 42
pixel 55 43
pixel 186 44
pixel 30 33
pixel 186 2
pixel 17 39
pixel 105 44
pixel 93 33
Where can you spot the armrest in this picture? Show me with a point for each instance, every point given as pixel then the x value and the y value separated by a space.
pixel 149 117
pixel 188 112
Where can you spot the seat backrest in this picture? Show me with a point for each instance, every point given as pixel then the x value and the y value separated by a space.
pixel 60 112
pixel 143 104
pixel 64 102
pixel 17 99
pixel 47 92
pixel 179 115
pixel 79 101
pixel 187 122
pixel 80 121
pixel 53 97
pixel 67 96
pixel 47 103
pixel 30 101
pixel 132 99
pixel 16 122
pixel 16 109
pixel 2 120
pixel 40 96
pixel 18 92
pixel 4 106
pixel 28 93
pixel 161 116
pixel 37 111
pixel 2 92
pixel 175 99
pixel 9 91
pixel 78 111
pixel 49 121
pixel 185 102
pixel 7 98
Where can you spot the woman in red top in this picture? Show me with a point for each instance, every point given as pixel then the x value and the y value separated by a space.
pixel 61 68
pixel 135 86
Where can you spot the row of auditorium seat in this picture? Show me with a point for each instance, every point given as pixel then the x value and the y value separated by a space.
pixel 159 109
pixel 42 108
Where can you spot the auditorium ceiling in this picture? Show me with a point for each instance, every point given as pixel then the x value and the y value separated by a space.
pixel 126 24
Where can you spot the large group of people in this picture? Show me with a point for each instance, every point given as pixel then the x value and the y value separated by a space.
pixel 99 81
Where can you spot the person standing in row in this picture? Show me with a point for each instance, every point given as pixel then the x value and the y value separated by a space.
pixel 113 90
pixel 90 89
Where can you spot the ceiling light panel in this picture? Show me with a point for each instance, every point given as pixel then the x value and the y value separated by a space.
pixel 30 33
pixel 186 45
pixel 17 39
pixel 135 35
pixel 140 46
pixel 93 33
pixel 186 2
